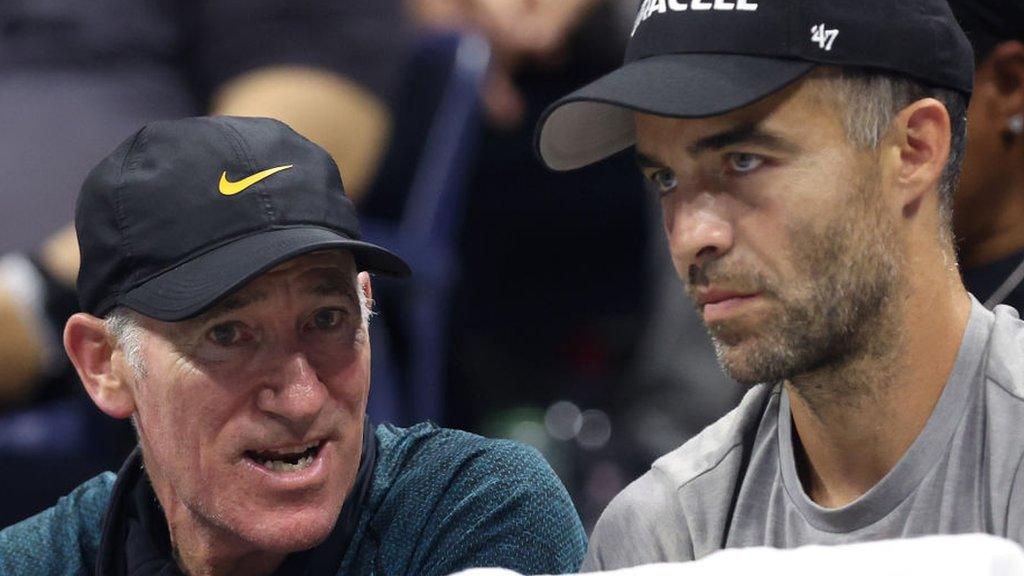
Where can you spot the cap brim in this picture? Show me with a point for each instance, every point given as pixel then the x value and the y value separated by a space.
pixel 196 285
pixel 596 121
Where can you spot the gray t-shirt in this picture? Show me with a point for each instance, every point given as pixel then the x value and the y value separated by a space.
pixel 962 474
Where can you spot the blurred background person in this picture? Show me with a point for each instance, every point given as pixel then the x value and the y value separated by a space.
pixel 542 334
pixel 988 213
pixel 77 78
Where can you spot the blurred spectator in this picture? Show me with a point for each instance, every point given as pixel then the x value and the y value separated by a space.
pixel 520 32
pixel 541 325
pixel 988 214
pixel 79 77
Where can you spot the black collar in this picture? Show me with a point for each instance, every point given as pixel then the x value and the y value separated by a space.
pixel 136 542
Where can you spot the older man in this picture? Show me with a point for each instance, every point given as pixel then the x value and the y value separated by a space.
pixel 226 294
pixel 806 155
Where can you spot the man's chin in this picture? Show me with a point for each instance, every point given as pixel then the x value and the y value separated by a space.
pixel 286 531
pixel 747 361
pixel 735 336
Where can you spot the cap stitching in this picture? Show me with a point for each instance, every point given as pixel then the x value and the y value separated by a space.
pixel 129 163
pixel 240 155
pixel 231 136
pixel 268 209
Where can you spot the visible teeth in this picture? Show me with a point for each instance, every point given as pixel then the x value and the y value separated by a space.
pixel 296 450
pixel 282 466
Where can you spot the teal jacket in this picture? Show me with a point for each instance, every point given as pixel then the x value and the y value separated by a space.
pixel 440 501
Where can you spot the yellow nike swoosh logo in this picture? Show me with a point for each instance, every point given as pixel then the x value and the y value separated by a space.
pixel 228 188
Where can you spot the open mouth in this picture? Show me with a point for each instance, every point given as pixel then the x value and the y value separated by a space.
pixel 288 460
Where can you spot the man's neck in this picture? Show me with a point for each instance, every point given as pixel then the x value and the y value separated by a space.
pixel 198 555
pixel 993 231
pixel 201 549
pixel 853 422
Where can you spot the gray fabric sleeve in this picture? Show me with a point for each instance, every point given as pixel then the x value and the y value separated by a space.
pixel 642 525
pixel 1015 507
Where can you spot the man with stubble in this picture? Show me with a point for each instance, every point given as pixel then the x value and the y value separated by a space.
pixel 806 156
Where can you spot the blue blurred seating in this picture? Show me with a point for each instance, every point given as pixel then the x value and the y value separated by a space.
pixel 415 209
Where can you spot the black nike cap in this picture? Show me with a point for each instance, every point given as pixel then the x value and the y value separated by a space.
pixel 185 212
pixel 701 58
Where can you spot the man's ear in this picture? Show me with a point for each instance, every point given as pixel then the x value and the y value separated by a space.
pixel 364 285
pixel 91 350
pixel 923 133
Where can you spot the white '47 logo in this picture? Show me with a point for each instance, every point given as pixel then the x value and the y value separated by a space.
pixel 823 37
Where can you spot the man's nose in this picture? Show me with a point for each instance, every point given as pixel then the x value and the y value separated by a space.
pixel 698 230
pixel 293 392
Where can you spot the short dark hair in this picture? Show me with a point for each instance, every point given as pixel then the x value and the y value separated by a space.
pixel 873 98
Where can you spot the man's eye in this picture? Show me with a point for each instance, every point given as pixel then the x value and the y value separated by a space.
pixel 326 319
pixel 227 334
pixel 664 181
pixel 743 162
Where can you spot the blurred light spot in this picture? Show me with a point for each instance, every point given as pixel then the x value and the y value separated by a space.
pixel 595 431
pixel 563 420
pixel 529 432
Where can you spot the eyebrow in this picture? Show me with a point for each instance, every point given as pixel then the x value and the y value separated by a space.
pixel 747 133
pixel 646 161
pixel 332 285
pixel 236 302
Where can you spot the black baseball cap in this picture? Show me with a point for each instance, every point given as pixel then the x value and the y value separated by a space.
pixel 700 58
pixel 989 23
pixel 185 212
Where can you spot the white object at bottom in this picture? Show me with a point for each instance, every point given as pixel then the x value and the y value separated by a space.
pixel 973 554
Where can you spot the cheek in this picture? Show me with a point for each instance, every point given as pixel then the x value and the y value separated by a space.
pixel 346 376
pixel 780 237
pixel 763 229
pixel 180 412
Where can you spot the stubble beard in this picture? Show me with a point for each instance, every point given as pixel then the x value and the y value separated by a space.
pixel 841 306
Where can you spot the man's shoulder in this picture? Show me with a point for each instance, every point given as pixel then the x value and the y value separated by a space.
pixel 651 520
pixel 708 451
pixel 62 539
pixel 406 451
pixel 426 458
pixel 444 500
pixel 643 524
pixel 1005 366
